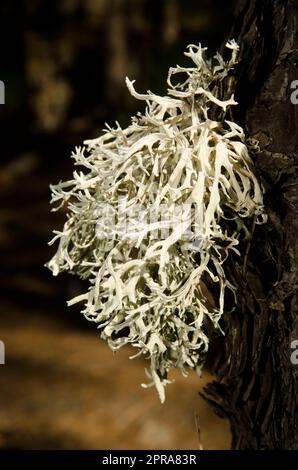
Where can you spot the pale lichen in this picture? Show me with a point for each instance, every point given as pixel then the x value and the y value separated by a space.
pixel 159 294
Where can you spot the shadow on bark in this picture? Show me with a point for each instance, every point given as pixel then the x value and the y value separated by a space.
pixel 256 383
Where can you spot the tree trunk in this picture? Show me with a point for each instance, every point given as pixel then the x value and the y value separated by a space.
pixel 257 384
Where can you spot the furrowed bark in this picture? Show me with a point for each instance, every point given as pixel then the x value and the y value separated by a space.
pixel 257 385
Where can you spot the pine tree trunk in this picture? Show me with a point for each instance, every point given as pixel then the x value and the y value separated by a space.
pixel 257 384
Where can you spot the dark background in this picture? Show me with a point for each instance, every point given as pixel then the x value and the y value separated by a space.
pixel 63 63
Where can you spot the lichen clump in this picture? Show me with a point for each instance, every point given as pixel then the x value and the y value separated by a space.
pixel 160 285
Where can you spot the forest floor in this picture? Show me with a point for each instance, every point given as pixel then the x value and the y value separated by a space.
pixel 64 389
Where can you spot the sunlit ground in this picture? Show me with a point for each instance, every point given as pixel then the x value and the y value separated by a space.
pixel 64 389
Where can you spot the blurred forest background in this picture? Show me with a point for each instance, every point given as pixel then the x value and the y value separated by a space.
pixel 63 63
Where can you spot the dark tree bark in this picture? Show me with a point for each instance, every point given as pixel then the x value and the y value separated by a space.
pixel 257 385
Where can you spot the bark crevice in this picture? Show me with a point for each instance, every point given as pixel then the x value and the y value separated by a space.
pixel 256 384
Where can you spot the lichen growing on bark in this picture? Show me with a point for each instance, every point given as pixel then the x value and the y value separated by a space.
pixel 148 278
